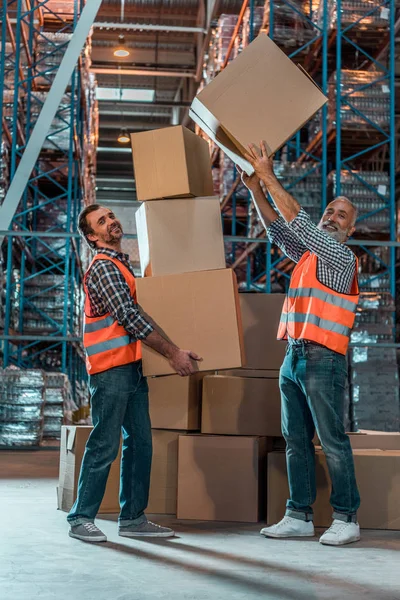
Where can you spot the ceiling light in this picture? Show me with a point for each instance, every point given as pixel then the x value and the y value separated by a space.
pixel 121 51
pixel 123 137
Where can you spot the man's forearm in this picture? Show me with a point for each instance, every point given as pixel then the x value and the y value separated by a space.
pixel 288 207
pixel 161 345
pixel 265 211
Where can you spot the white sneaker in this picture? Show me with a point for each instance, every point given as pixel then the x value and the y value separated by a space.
pixel 289 527
pixel 340 533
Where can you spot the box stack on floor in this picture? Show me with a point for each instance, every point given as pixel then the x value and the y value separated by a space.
pixel 186 289
pixel 222 472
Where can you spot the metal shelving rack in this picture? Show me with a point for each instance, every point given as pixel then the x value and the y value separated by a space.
pixel 331 47
pixel 44 251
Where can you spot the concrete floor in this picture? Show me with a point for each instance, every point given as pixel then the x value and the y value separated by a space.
pixel 204 561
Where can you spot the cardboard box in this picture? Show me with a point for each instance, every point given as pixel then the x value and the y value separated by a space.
pixel 375 440
pixel 261 314
pixel 197 311
pixel 171 162
pixel 175 402
pixel 241 406
pixel 258 373
pixel 378 478
pixel 180 236
pixel 221 478
pixel 261 95
pixel 164 473
pixel 72 448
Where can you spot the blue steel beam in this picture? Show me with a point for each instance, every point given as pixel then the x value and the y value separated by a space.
pixel 48 112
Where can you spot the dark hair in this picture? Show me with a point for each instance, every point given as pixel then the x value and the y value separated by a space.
pixel 83 226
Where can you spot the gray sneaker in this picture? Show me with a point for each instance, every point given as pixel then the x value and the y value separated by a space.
pixel 146 529
pixel 87 532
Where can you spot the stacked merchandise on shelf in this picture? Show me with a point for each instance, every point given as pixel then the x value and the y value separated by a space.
pixel 369 197
pixel 352 11
pixel 225 28
pixel 44 305
pixel 304 182
pixel 21 407
pixel 59 405
pixel 49 52
pixel 4 170
pixel 290 29
pixel 375 402
pixel 58 138
pixel 373 275
pixel 365 93
pixel 368 98
pixel 219 42
pixel 243 38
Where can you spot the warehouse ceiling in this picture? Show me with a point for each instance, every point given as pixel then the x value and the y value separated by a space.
pixel 166 40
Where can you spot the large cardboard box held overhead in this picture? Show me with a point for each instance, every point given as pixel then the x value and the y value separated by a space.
pixel 180 236
pixel 175 402
pixel 171 162
pixel 378 479
pixel 164 473
pixel 221 478
pixel 260 316
pixel 197 311
pixel 72 448
pixel 241 406
pixel 261 95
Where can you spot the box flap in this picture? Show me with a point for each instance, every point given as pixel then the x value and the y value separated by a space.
pixel 71 432
pixel 218 135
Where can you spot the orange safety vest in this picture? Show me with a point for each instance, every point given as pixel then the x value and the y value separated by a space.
pixel 108 344
pixel 312 311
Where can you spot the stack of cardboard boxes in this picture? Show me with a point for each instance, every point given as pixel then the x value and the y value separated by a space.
pixel 222 471
pixel 186 289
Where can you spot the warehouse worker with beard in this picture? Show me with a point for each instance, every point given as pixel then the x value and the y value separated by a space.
pixel 317 319
pixel 114 329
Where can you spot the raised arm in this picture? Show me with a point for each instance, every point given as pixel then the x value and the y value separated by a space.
pixel 335 254
pixel 275 226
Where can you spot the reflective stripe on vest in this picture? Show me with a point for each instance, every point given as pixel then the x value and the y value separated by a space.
pixel 323 323
pixel 322 295
pixel 108 344
pixel 97 325
pixel 314 312
pixel 117 342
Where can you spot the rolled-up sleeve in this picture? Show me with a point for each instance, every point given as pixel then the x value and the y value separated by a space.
pixel 109 283
pixel 333 253
pixel 279 234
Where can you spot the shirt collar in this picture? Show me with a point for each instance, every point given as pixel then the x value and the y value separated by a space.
pixel 112 253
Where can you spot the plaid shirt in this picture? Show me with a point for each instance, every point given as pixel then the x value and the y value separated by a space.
pixel 109 292
pixel 336 262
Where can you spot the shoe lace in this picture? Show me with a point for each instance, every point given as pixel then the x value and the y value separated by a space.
pixel 337 527
pixel 154 524
pixel 91 527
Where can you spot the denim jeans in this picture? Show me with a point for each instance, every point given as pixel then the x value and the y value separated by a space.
pixel 312 383
pixel 119 402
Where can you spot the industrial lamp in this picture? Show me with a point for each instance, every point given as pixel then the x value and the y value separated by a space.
pixel 121 51
pixel 123 137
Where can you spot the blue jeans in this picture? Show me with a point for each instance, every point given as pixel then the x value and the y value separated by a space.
pixel 312 383
pixel 119 402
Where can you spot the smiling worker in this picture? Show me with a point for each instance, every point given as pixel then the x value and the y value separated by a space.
pixel 317 319
pixel 114 329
